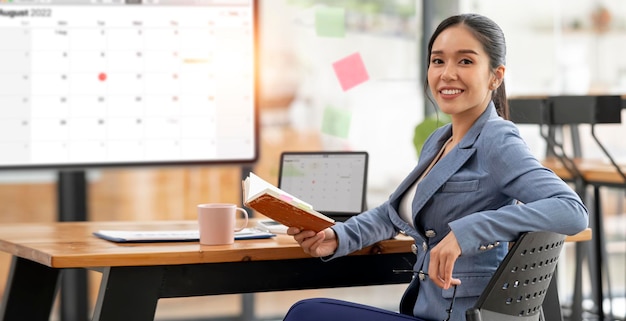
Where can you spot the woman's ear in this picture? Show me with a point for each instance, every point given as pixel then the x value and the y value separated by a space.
pixel 499 76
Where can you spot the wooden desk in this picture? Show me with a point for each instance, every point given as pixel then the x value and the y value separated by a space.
pixel 594 172
pixel 136 275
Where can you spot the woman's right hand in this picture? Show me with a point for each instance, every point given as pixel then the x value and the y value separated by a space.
pixel 323 243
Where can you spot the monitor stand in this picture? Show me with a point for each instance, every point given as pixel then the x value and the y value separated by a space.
pixel 72 206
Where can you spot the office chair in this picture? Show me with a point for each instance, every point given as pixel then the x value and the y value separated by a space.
pixel 518 288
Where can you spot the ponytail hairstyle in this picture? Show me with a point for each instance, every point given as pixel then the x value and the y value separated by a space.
pixel 489 34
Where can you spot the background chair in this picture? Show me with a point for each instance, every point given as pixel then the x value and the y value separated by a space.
pixel 517 290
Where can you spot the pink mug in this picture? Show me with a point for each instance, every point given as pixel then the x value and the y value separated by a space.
pixel 216 222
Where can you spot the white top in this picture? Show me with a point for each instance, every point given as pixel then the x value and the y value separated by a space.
pixel 405 210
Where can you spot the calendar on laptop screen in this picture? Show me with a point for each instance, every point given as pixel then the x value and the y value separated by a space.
pixel 333 183
pixel 126 82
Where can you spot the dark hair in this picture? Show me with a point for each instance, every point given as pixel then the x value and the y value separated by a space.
pixel 489 34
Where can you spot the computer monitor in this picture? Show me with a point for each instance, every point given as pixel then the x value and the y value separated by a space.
pixel 334 183
pixel 92 83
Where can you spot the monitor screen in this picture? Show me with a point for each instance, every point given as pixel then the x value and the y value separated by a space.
pixel 86 83
pixel 334 183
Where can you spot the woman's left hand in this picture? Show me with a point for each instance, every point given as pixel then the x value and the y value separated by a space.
pixel 442 259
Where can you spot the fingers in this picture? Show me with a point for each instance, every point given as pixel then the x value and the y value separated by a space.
pixel 432 267
pixel 314 243
pixel 302 236
pixel 434 272
pixel 323 243
pixel 440 271
pixel 442 260
pixel 440 267
pixel 293 231
pixel 309 240
pixel 445 270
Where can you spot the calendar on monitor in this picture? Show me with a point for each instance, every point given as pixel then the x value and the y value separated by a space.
pixel 87 83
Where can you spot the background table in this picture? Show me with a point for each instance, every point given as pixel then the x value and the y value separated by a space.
pixel 597 174
pixel 594 172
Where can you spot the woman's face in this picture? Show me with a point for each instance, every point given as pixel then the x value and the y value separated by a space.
pixel 459 75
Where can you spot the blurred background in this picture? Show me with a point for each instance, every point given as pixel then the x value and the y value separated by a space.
pixel 555 47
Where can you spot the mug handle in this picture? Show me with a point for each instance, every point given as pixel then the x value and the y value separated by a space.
pixel 245 216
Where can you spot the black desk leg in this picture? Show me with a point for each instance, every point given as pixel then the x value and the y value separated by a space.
pixel 29 292
pixel 247 307
pixel 74 305
pixel 582 253
pixel 577 300
pixel 72 206
pixel 600 260
pixel 551 303
pixel 129 293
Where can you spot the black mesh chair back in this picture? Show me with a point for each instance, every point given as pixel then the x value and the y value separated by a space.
pixel 517 289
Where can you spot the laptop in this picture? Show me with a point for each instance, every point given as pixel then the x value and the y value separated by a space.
pixel 334 183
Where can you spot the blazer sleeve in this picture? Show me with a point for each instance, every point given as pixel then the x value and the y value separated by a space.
pixel 363 230
pixel 547 202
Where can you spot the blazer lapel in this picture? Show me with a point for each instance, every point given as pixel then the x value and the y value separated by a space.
pixel 438 175
pixel 447 166
pixel 426 157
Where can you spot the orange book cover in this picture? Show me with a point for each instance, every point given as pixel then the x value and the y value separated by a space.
pixel 281 206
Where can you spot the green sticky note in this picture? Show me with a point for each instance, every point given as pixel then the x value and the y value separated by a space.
pixel 336 122
pixel 330 22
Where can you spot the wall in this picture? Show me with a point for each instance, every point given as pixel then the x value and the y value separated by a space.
pixel 555 49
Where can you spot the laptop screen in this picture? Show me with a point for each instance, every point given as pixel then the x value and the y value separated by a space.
pixel 334 183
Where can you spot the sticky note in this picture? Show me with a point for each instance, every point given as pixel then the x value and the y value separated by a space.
pixel 304 206
pixel 350 71
pixel 330 22
pixel 336 122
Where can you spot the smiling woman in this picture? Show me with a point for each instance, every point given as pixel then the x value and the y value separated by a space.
pixel 463 61
pixel 462 77
pixel 461 70
pixel 460 203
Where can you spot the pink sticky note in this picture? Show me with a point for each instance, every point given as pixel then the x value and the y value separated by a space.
pixel 350 71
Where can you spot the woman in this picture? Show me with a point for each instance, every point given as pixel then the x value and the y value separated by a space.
pixel 475 188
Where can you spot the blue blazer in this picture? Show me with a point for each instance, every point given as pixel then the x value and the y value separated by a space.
pixel 488 189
